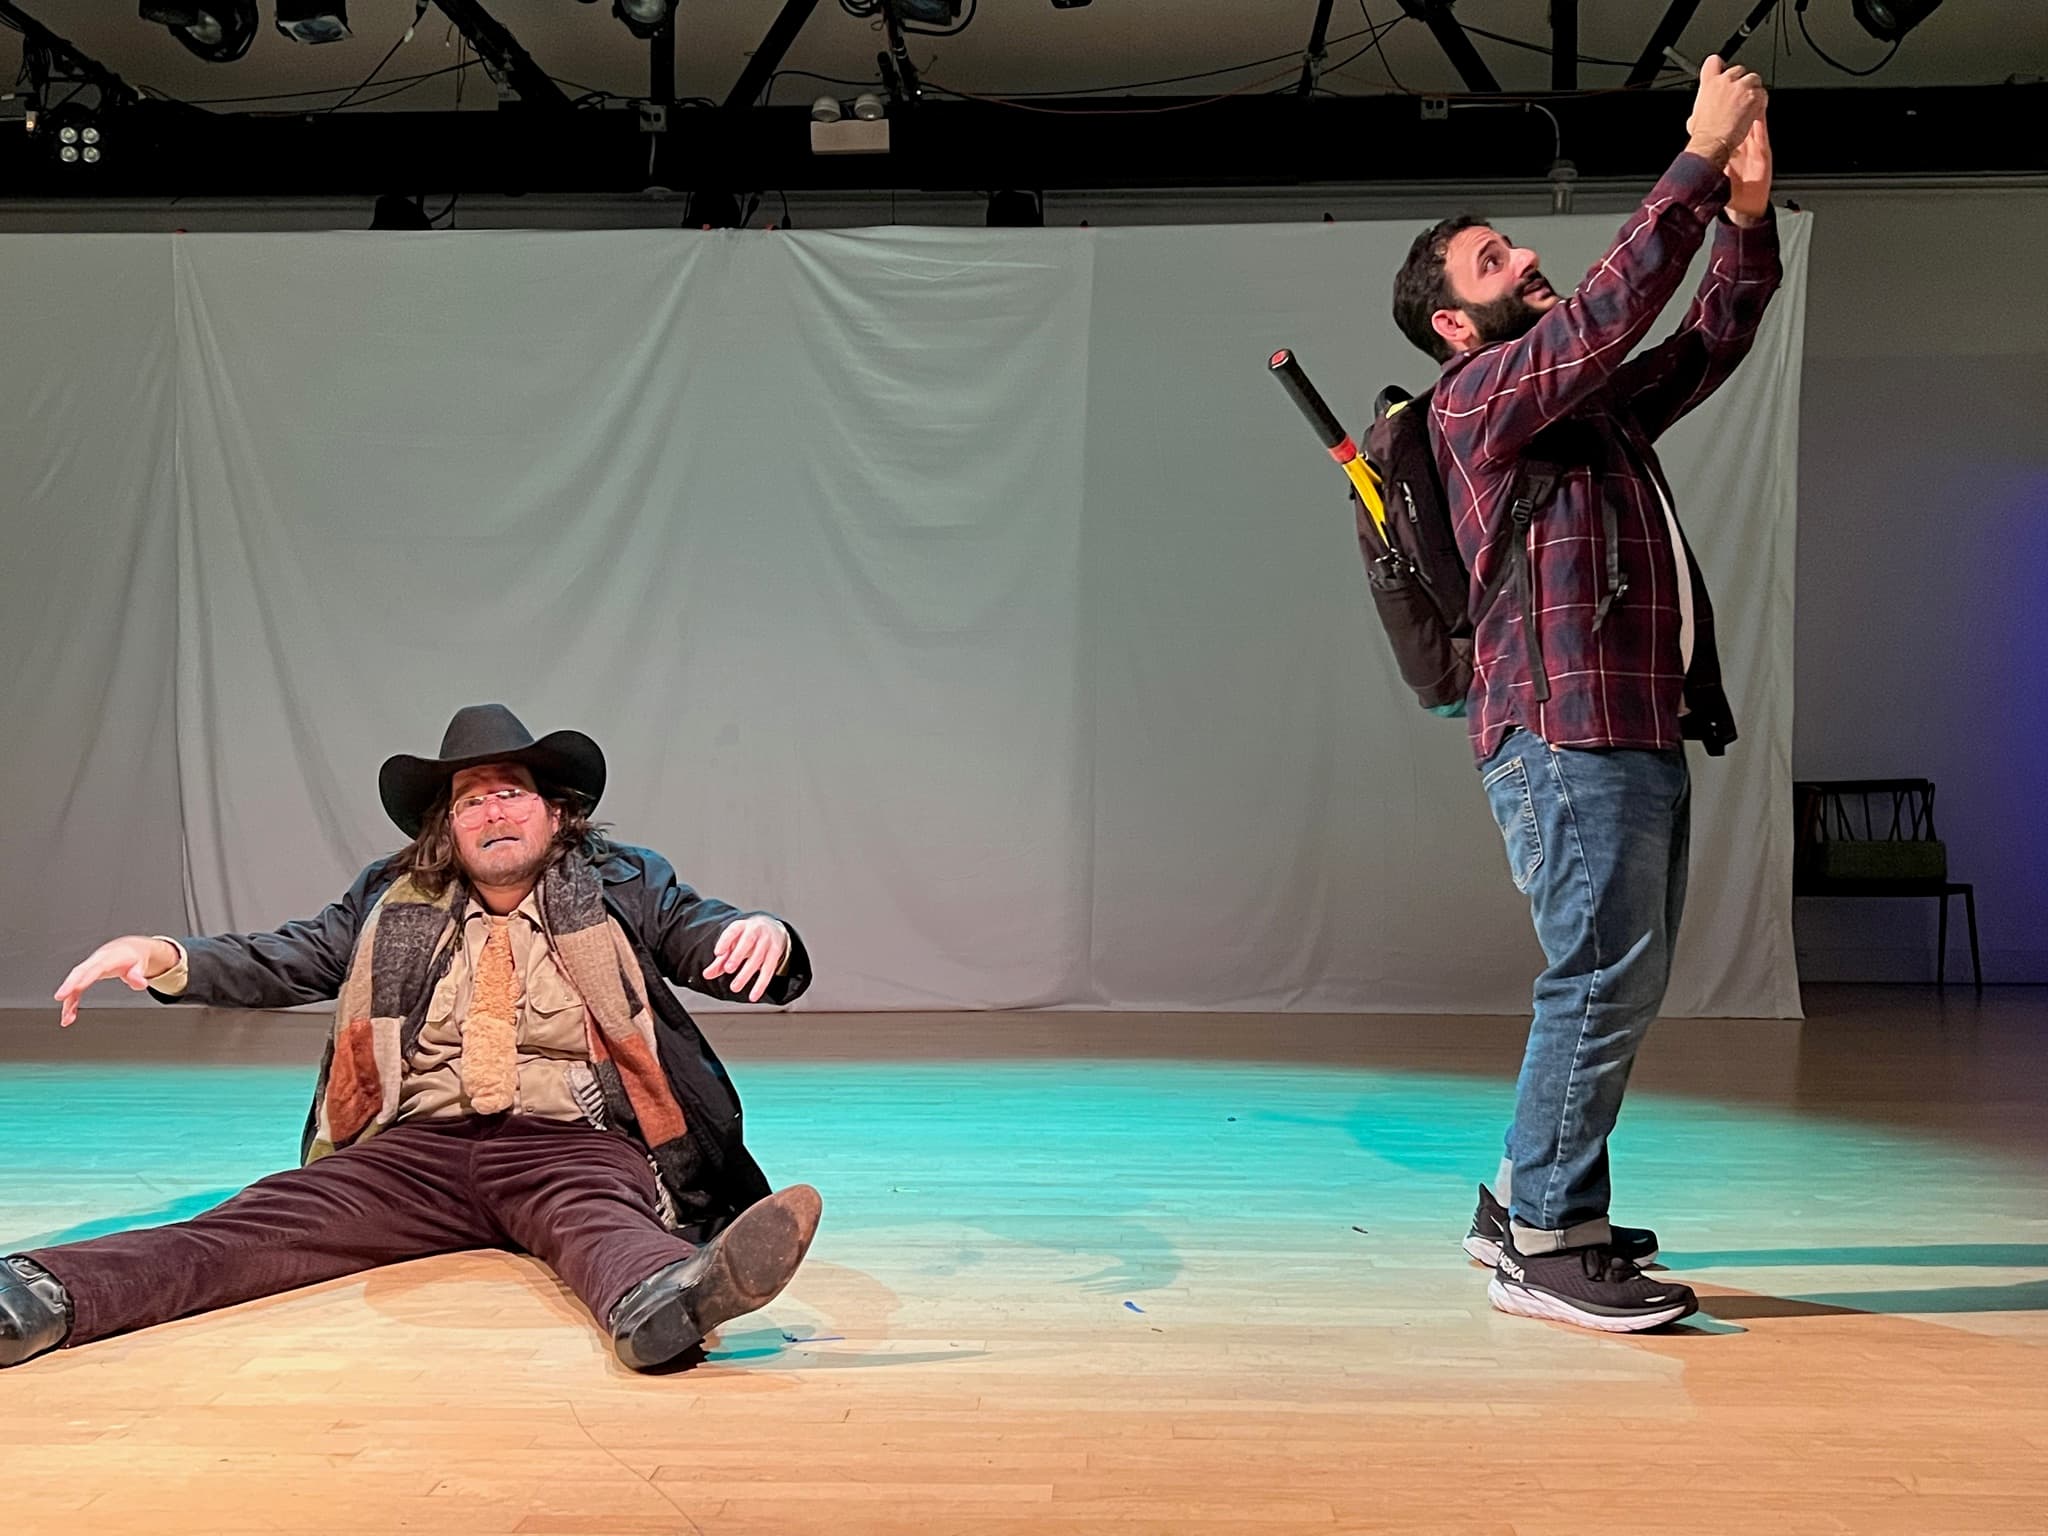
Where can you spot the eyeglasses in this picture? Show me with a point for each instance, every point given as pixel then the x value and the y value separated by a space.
pixel 471 810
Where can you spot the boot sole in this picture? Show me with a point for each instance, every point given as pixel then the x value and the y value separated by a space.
pixel 1521 1301
pixel 751 1262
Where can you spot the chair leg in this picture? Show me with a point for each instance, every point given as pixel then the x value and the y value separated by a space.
pixel 1970 909
pixel 1941 946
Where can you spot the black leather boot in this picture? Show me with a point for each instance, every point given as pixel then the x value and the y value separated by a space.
pixel 742 1269
pixel 35 1311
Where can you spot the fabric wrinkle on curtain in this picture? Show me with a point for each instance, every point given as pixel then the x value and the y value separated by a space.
pixel 972 596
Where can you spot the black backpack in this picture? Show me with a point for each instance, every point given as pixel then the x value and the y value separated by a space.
pixel 1421 587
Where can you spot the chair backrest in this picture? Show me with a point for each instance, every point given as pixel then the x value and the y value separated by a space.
pixel 1861 830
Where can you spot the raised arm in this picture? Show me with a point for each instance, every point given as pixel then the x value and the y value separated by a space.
pixel 1492 407
pixel 1662 384
pixel 302 962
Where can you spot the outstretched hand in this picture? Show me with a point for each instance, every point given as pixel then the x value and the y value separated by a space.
pixel 134 958
pixel 752 948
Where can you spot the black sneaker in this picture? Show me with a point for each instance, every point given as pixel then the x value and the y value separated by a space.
pixel 1592 1287
pixel 1490 1226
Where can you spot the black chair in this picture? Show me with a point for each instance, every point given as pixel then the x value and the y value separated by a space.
pixel 1875 837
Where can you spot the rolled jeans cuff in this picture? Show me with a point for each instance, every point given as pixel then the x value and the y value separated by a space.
pixel 1585 1234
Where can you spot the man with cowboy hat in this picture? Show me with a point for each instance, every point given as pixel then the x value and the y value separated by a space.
pixel 508 1069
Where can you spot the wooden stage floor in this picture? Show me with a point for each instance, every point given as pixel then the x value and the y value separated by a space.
pixel 1086 1273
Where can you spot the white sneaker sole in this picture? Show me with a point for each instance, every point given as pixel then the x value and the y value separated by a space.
pixel 1520 1301
pixel 1484 1249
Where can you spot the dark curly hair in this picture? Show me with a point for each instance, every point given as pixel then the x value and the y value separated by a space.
pixel 1422 287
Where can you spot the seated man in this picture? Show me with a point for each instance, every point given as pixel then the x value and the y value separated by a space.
pixel 508 1069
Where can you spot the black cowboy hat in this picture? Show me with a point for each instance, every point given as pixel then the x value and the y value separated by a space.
pixel 489 733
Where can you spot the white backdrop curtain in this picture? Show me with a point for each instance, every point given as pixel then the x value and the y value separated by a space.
pixel 969 596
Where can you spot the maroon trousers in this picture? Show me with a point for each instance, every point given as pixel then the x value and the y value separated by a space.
pixel 579 1199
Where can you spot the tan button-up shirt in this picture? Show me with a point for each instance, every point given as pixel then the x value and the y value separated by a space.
pixel 553 1033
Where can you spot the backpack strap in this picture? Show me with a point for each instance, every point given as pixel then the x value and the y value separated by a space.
pixel 1617 584
pixel 1533 488
pixel 1533 485
pixel 1610 531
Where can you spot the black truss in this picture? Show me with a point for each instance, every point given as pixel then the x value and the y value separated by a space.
pixel 1457 47
pixel 161 151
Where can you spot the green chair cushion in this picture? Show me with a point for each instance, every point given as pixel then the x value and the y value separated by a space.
pixel 1850 861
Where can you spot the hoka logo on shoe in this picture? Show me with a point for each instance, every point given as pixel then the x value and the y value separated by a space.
pixel 1511 1269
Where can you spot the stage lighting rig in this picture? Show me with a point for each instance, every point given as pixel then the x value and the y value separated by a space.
pixel 643 18
pixel 313 21
pixel 74 134
pixel 1890 20
pixel 218 31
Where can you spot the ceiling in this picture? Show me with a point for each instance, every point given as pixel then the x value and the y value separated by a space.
pixel 1028 45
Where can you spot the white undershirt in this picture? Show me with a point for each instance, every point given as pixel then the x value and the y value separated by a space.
pixel 1683 569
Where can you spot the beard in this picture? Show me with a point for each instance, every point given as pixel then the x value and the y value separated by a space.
pixel 510 863
pixel 1511 315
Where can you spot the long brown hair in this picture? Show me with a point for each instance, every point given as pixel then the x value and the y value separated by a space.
pixel 431 860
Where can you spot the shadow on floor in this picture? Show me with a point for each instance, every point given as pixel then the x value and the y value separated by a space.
pixel 2020 1296
pixel 1894 1256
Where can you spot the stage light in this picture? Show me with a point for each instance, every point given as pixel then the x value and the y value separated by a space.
pixel 832 134
pixel 1890 20
pixel 218 31
pixel 313 21
pixel 1068 5
pixel 644 18
pixel 1015 210
pixel 74 133
pixel 928 13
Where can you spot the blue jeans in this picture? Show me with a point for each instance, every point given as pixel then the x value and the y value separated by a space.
pixel 1598 842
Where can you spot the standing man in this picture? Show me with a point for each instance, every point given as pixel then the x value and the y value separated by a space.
pixel 508 1069
pixel 1584 689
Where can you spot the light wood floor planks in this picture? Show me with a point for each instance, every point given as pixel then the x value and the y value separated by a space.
pixel 1106 1274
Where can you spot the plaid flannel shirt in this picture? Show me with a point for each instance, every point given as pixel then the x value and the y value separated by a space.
pixel 1563 394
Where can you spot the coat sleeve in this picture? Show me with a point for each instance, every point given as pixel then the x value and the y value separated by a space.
pixel 302 962
pixel 681 928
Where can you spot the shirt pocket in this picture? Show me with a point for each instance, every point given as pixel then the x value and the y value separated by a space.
pixel 554 1022
pixel 447 994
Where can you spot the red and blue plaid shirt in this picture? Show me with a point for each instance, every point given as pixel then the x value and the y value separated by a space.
pixel 1563 393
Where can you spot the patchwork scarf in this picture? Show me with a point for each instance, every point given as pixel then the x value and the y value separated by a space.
pixel 405 947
